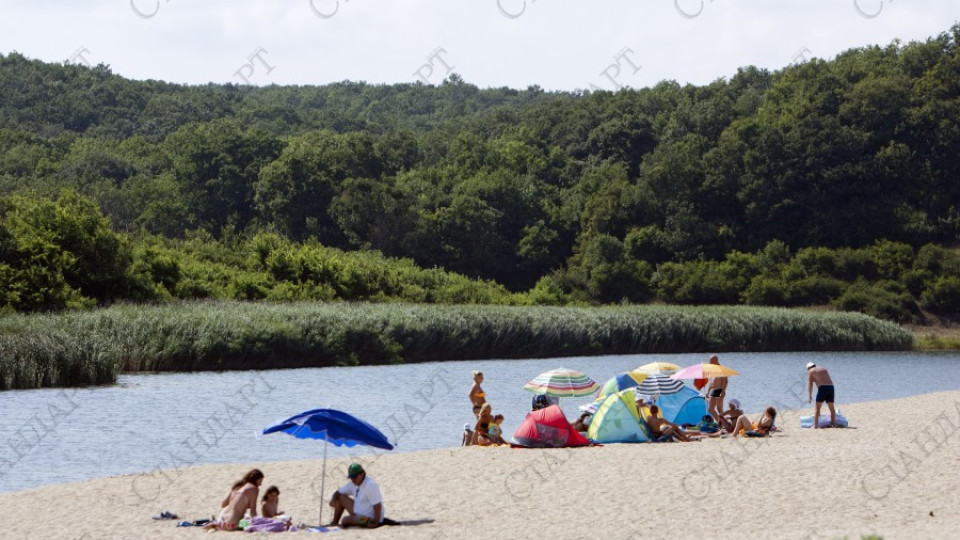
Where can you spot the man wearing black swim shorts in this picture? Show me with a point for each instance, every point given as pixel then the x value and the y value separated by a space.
pixel 715 394
pixel 821 377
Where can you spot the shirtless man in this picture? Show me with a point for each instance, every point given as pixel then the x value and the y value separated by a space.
pixel 660 427
pixel 821 377
pixel 715 394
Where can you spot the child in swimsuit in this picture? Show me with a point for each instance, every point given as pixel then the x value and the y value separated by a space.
pixel 270 502
pixel 496 434
pixel 708 425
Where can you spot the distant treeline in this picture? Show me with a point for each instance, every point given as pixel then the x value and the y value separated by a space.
pixel 785 188
pixel 60 254
pixel 91 347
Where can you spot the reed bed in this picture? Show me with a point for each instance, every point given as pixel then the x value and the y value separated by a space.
pixel 82 348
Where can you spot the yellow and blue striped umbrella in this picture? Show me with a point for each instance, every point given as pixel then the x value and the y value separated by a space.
pixel 562 383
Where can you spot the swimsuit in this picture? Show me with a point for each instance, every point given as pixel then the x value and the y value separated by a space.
pixel 758 431
pixel 716 392
pixel 480 395
pixel 825 393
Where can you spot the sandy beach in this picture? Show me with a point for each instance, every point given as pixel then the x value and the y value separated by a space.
pixel 895 473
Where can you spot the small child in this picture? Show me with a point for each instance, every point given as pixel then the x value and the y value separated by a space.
pixel 270 503
pixel 467 435
pixel 708 425
pixel 496 434
pixel 582 423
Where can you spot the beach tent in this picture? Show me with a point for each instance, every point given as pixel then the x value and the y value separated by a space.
pixel 684 407
pixel 547 428
pixel 617 420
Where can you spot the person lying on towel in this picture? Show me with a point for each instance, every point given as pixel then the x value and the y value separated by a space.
pixel 663 430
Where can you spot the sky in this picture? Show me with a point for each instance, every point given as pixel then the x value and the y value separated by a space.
pixel 556 44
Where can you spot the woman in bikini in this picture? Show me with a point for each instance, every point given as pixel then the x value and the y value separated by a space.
pixel 481 432
pixel 760 428
pixel 477 397
pixel 242 497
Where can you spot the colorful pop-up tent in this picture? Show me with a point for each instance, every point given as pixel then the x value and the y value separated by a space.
pixel 684 407
pixel 617 420
pixel 547 428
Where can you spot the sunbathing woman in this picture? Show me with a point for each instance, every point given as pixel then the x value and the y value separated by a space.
pixel 660 428
pixel 760 428
pixel 481 432
pixel 242 497
pixel 477 396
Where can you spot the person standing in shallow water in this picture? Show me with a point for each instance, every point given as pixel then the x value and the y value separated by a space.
pixel 477 396
pixel 821 377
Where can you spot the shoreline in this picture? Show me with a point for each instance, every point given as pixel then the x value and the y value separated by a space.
pixel 870 479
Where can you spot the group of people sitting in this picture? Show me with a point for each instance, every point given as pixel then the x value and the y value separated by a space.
pixel 717 423
pixel 486 430
pixel 239 507
pixel 359 498
pixel 732 421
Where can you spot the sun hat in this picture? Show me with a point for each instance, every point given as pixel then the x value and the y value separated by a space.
pixel 735 403
pixel 354 470
pixel 810 365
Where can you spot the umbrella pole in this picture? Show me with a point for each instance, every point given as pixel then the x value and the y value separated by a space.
pixel 323 478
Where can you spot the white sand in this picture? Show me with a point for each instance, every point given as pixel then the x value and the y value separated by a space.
pixel 897 474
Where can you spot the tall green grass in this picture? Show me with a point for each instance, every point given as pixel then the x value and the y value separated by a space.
pixel 92 347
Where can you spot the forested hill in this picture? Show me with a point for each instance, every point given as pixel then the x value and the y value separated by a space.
pixel 594 190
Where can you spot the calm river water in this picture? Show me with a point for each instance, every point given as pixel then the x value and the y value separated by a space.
pixel 146 422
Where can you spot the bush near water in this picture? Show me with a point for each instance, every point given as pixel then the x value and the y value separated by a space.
pixel 60 253
pixel 91 347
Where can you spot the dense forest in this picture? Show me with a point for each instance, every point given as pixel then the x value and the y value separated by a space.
pixel 827 182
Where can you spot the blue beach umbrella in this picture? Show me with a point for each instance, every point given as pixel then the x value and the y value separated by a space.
pixel 333 426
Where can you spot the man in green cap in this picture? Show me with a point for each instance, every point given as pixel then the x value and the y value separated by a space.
pixel 360 498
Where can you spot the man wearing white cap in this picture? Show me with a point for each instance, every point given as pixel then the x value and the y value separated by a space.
pixel 821 377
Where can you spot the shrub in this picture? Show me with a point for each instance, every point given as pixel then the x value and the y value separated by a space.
pixel 765 291
pixel 885 300
pixel 943 295
pixel 814 290
pixel 695 282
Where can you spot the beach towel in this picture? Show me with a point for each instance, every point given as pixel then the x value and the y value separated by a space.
pixel 807 421
pixel 262 524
